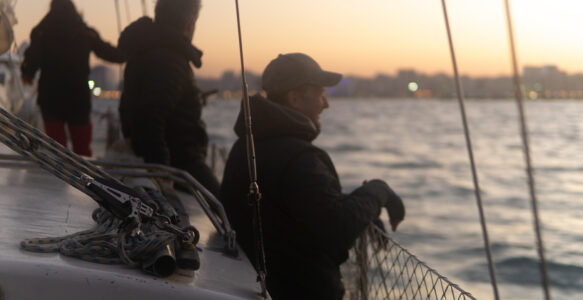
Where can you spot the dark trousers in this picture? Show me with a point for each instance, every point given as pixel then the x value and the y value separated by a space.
pixel 80 135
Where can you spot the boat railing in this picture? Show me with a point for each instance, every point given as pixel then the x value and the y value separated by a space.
pixel 380 268
pixel 211 206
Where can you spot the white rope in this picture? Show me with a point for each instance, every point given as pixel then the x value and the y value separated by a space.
pixel 529 170
pixel 106 243
pixel 471 156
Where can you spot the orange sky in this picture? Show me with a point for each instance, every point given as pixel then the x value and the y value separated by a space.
pixel 363 37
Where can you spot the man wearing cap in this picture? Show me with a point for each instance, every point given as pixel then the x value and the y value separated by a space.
pixel 308 224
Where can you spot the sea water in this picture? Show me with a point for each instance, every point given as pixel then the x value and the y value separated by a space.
pixel 419 148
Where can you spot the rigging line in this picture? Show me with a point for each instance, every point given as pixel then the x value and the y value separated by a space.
pixel 529 170
pixel 118 16
pixel 116 2
pixel 460 95
pixel 144 8
pixel 254 194
pixel 128 12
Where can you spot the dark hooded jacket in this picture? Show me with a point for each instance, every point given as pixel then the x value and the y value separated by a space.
pixel 308 223
pixel 160 107
pixel 60 46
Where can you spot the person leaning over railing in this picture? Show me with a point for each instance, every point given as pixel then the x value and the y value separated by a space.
pixel 308 223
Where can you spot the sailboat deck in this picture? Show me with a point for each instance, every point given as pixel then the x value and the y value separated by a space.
pixel 35 204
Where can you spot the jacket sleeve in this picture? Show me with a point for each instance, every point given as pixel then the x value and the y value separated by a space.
pixel 315 201
pixel 161 86
pixel 104 49
pixel 33 54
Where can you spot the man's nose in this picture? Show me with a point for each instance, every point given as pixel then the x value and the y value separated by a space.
pixel 325 103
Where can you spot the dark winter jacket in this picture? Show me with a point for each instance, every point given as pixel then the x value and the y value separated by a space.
pixel 308 223
pixel 60 46
pixel 160 106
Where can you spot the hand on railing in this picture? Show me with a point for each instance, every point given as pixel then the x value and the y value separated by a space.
pixel 389 200
pixel 383 238
pixel 395 209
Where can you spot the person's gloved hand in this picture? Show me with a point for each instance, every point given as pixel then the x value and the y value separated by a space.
pixel 395 208
pixel 383 239
pixel 379 223
pixel 393 203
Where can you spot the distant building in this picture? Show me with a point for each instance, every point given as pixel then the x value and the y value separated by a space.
pixel 547 82
pixel 540 82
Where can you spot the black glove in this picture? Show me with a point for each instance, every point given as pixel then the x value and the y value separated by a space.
pixel 392 202
pixel 395 208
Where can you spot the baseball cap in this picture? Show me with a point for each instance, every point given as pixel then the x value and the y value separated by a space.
pixel 289 71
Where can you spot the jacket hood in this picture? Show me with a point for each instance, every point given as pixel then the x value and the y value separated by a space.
pixel 144 34
pixel 270 120
pixel 61 25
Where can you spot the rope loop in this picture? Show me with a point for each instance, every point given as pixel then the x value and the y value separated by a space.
pixel 106 243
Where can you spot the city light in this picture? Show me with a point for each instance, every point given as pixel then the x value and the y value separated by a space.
pixel 91 84
pixel 413 86
pixel 532 95
pixel 97 92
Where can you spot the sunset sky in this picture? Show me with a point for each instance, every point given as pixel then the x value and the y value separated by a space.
pixel 364 37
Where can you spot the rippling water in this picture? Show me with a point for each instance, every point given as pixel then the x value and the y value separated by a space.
pixel 418 147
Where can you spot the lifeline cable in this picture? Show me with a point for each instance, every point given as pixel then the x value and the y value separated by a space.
pixel 471 155
pixel 529 171
pixel 254 194
pixel 118 16
pixel 144 8
pixel 128 12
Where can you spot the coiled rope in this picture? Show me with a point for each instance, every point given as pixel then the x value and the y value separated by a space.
pixel 471 156
pixel 526 149
pixel 105 243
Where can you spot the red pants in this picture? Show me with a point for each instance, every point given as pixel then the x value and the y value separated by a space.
pixel 81 135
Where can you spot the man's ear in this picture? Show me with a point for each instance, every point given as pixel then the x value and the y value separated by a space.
pixel 292 98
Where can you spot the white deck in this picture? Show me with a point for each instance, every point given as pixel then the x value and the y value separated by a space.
pixel 33 204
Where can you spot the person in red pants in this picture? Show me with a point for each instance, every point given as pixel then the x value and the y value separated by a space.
pixel 59 47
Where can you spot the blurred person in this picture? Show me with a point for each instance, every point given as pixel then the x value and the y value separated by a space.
pixel 308 223
pixel 161 106
pixel 60 46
